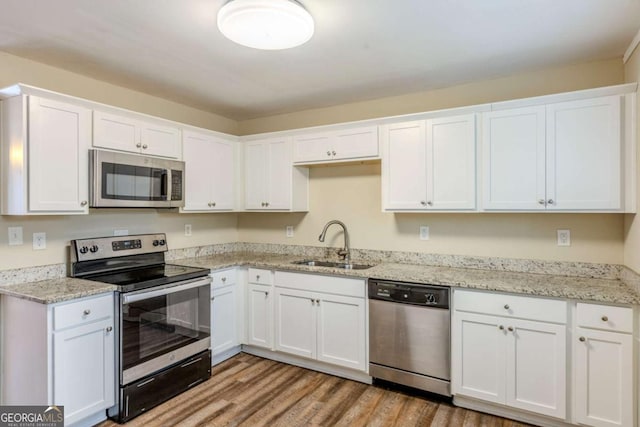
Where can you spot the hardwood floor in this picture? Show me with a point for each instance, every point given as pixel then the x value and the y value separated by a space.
pixel 250 391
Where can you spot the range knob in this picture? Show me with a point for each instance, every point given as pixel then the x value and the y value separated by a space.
pixel 162 242
pixel 94 249
pixel 83 250
pixel 156 243
pixel 431 298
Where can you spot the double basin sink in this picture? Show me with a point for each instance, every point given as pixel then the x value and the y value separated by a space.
pixel 332 264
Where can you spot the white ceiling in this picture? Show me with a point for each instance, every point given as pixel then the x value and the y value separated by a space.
pixel 362 49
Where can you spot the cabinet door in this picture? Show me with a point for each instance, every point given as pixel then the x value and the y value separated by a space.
pixel 404 166
pixel 157 140
pixel 295 322
pixel 584 154
pixel 312 148
pixel 536 367
pixel 260 316
pixel 479 356
pixel 513 159
pixel 84 369
pixel 451 163
pixel 59 140
pixel 341 331
pixel 255 175
pixel 115 132
pixel 222 174
pixel 279 175
pixel 223 319
pixel 198 151
pixel 603 366
pixel 355 143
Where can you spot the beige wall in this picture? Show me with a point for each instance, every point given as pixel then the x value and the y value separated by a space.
pixel 207 229
pixel 632 222
pixel 352 193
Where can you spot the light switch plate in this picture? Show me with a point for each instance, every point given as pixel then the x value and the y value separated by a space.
pixel 39 241
pixel 424 232
pixel 564 237
pixel 289 231
pixel 15 236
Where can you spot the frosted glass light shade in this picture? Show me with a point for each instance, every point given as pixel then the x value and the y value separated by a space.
pixel 266 24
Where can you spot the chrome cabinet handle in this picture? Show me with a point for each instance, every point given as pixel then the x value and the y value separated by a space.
pixel 501 327
pixel 550 201
pixel 312 301
pixel 209 204
pixel 430 203
pixel 109 328
pixel 266 204
pixel 213 298
pixel 145 146
pixel 510 329
pixel 605 319
pixel 87 312
pixel 541 202
pixel 333 152
pixel 266 293
pixel 506 306
pixel 213 204
pixel 328 153
pixel 138 145
pixel 83 203
pixel 318 301
pixel 257 277
pixel 224 279
pixel 423 203
pixel 582 339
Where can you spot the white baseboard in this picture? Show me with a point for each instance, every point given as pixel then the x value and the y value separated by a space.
pixel 227 354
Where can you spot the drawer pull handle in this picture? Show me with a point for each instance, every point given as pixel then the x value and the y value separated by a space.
pixel 510 329
pixel 582 339
pixel 224 279
pixel 318 301
pixel 506 306
pixel 266 294
pixel 605 319
pixel 145 382
pixel 501 327
pixel 138 145
pixel 87 312
pixel 109 328
pixel 257 277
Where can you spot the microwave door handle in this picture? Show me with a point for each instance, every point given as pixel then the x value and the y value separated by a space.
pixel 165 189
pixel 144 294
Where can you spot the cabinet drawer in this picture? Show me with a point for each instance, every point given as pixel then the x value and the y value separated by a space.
pixel 506 305
pixel 319 283
pixel 81 312
pixel 606 317
pixel 223 278
pixel 260 276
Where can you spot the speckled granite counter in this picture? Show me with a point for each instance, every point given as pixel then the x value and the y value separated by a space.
pixel 56 290
pixel 578 288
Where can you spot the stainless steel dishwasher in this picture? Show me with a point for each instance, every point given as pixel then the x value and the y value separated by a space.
pixel 409 335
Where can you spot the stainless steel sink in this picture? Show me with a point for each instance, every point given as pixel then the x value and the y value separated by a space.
pixel 332 264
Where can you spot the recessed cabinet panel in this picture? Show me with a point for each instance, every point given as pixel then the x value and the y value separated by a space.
pixel 279 175
pixel 223 319
pixel 260 316
pixel 341 330
pixel 335 146
pixel 514 159
pixel 115 132
pixel 311 148
pixel 295 322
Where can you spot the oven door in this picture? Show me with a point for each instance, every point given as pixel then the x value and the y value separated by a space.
pixel 162 326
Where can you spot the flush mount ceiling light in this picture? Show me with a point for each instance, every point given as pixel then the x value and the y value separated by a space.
pixel 266 24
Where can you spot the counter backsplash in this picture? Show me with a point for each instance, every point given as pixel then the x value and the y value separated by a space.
pixel 562 268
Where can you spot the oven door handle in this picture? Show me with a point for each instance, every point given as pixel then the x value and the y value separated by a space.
pixel 142 295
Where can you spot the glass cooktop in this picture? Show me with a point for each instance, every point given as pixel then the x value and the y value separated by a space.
pixel 148 277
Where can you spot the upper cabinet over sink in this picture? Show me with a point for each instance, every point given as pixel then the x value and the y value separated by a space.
pixel 353 144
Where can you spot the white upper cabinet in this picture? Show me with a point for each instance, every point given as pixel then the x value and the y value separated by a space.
pixel 335 146
pixel 123 133
pixel 45 166
pixel 271 180
pixel 560 156
pixel 209 172
pixel 430 164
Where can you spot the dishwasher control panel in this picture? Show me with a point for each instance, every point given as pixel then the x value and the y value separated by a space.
pixel 409 293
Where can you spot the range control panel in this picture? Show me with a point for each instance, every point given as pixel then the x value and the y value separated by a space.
pixel 409 293
pixel 109 247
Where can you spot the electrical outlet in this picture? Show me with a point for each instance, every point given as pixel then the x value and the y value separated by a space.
pixel 424 232
pixel 39 241
pixel 15 236
pixel 121 232
pixel 564 237
pixel 187 229
pixel 289 231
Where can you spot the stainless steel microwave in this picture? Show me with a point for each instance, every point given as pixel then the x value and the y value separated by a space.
pixel 120 180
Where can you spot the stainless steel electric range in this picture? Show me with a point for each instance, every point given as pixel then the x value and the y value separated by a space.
pixel 163 318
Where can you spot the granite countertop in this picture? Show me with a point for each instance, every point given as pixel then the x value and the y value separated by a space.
pixel 56 290
pixel 577 288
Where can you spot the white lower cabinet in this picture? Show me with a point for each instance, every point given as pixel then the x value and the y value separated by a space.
pixel 226 314
pixel 316 319
pixel 520 363
pixel 603 366
pixel 67 358
pixel 260 315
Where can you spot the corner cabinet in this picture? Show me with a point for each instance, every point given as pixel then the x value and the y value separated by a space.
pixel 68 358
pixel 564 156
pixel 134 135
pixel 210 172
pixel 272 182
pixel 45 162
pixel 510 350
pixel 429 165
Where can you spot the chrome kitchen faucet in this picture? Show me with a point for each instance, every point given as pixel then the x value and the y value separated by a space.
pixel 344 253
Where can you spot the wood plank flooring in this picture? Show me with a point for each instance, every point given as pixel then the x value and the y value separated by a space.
pixel 250 391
